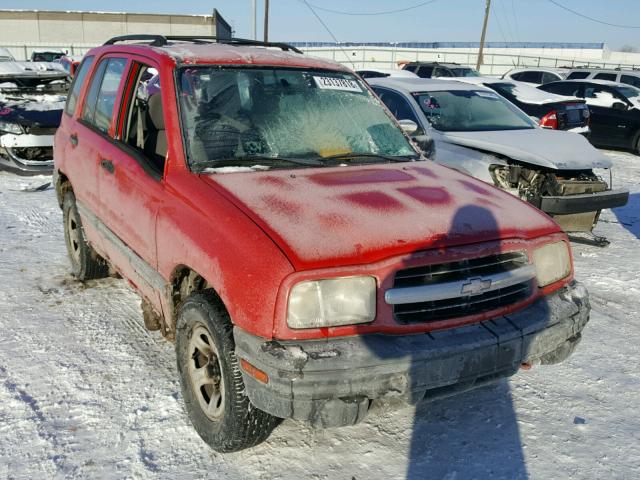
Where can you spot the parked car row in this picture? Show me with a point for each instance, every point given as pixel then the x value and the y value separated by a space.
pixel 306 256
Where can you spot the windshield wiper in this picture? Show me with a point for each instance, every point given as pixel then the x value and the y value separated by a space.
pixel 352 155
pixel 253 160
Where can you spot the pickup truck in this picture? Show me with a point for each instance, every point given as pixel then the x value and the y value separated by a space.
pixel 298 246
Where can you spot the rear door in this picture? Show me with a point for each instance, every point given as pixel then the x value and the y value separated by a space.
pixel 93 128
pixel 134 184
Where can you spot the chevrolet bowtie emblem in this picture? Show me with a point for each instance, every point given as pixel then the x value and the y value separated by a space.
pixel 475 286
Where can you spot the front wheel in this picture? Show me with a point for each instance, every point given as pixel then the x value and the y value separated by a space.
pixel 211 380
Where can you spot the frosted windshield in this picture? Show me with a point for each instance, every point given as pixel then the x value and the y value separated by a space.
pixel 231 116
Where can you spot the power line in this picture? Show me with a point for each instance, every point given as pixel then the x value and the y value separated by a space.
pixel 315 14
pixel 591 18
pixel 387 12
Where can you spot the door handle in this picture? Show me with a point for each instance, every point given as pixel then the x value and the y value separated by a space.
pixel 73 138
pixel 107 165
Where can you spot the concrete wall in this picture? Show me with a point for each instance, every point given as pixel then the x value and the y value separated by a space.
pixel 25 30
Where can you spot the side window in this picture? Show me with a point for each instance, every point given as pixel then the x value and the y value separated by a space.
pixel 577 75
pixel 424 72
pixel 144 130
pixel 531 77
pixel 599 96
pixel 398 105
pixel 78 81
pixel 548 77
pixel 606 76
pixel 517 76
pixel 630 80
pixel 100 103
pixel 441 72
pixel 569 89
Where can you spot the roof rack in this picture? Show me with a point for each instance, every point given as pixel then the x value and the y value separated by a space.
pixel 163 40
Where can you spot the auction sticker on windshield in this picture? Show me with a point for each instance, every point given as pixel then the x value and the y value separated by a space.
pixel 335 83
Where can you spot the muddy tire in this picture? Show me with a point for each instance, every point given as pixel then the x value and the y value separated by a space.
pixel 212 385
pixel 86 264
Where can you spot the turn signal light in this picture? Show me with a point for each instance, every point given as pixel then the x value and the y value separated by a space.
pixel 255 372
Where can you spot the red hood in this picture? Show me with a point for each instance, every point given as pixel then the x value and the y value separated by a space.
pixel 353 215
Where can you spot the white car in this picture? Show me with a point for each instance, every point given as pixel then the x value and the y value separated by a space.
pixel 480 133
pixel 536 76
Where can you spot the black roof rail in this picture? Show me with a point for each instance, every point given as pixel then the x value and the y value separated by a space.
pixel 162 40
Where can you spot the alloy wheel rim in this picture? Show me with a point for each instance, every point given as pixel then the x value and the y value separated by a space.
pixel 73 236
pixel 205 373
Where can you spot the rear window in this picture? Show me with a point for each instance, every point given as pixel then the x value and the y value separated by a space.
pixel 577 75
pixel 78 81
pixel 98 108
pixel 606 76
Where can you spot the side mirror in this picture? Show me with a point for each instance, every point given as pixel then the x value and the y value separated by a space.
pixel 426 144
pixel 620 106
pixel 408 126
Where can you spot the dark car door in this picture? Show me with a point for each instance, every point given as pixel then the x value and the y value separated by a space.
pixel 611 122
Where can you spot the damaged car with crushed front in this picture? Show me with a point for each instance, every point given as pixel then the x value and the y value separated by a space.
pixel 299 248
pixel 481 133
pixel 32 96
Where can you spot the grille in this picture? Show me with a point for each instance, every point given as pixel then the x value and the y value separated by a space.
pixel 430 311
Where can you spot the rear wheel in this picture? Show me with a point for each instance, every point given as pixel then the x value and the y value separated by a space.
pixel 86 264
pixel 211 380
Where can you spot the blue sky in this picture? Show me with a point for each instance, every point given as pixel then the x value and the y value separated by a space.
pixel 443 20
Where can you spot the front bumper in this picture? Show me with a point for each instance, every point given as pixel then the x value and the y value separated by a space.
pixel 10 158
pixel 332 382
pixel 585 202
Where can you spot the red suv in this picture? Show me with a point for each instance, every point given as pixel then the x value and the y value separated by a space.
pixel 305 256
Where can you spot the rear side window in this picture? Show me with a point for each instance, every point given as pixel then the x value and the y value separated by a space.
pixel 78 81
pixel 530 77
pixel 424 72
pixel 441 72
pixel 548 77
pixel 606 76
pixel 630 80
pixel 577 75
pixel 569 89
pixel 98 108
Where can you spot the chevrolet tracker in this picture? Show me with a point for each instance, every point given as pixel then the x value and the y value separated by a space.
pixel 284 230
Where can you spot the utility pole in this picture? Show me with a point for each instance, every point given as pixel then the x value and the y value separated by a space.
pixel 255 14
pixel 484 33
pixel 266 20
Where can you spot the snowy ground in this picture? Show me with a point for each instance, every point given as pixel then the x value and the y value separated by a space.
pixel 87 392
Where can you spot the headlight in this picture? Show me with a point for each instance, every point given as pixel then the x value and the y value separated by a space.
pixel 552 263
pixel 332 302
pixel 6 127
